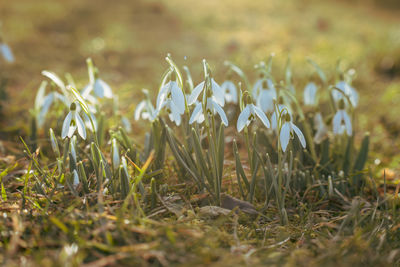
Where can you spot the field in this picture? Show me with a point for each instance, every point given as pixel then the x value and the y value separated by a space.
pixel 143 193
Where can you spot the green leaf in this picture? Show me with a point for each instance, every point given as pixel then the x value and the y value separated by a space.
pixel 3 192
pixel 239 169
pixel 362 154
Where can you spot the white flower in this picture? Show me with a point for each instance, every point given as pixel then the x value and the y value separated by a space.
pixel 212 108
pixel 6 52
pixel 72 122
pixel 347 90
pixel 266 96
pixel 260 84
pixel 310 94
pixel 286 133
pixel 320 126
pixel 171 91
pixel 100 89
pixel 341 123
pixel 144 110
pixel 274 119
pixel 230 91
pixel 197 114
pixel 174 112
pixel 217 92
pixel 249 114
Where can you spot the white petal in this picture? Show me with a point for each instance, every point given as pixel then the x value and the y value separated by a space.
pixel 271 85
pixel 195 93
pixel 47 101
pixel 320 134
pixel 299 135
pixel 102 89
pixel 162 95
pixel 284 136
pixel 80 125
pixel 257 88
pixel 309 95
pixel 218 93
pixel 243 118
pixel 66 125
pixel 197 111
pixel 178 97
pixel 274 122
pixel 337 119
pixel 265 101
pixel 76 178
pixel 71 131
pixel 347 123
pixel 7 54
pixel 262 116
pixel 139 109
pixel 221 113
pixel 230 91
pixel 176 116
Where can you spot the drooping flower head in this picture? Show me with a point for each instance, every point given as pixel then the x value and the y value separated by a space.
pixel 173 92
pixel 172 99
pixel 320 126
pixel 286 132
pixel 310 94
pixel 341 121
pixel 212 102
pixel 73 122
pixel 342 89
pixel 96 85
pixel 266 97
pixel 208 83
pixel 249 114
pixel 212 107
pixel 230 91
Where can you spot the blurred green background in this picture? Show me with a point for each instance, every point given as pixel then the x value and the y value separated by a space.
pixel 128 41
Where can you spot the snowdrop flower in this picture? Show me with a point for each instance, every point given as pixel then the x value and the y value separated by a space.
pixel 266 96
pixel 199 118
pixel 212 108
pixel 171 91
pixel 310 94
pixel 286 133
pixel 347 90
pixel 320 126
pixel 144 110
pixel 341 121
pixel 174 113
pixel 230 91
pixel 282 109
pixel 257 87
pixel 260 84
pixel 249 114
pixel 100 89
pixel 72 122
pixel 6 52
pixel 217 92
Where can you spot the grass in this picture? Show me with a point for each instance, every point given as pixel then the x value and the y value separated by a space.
pixel 128 42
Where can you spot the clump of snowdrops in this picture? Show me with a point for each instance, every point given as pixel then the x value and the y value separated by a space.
pixel 259 141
